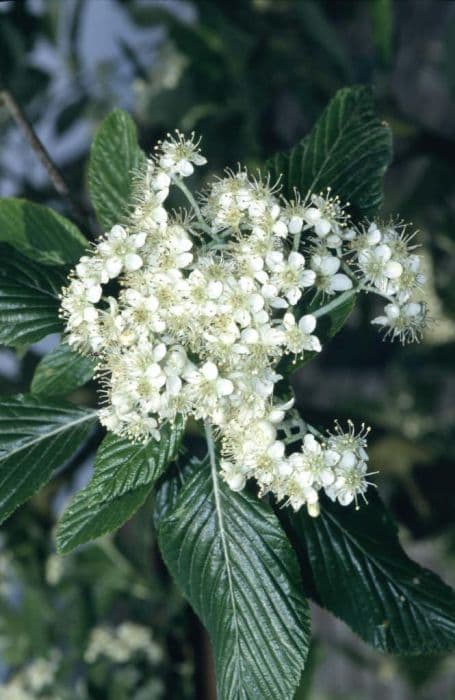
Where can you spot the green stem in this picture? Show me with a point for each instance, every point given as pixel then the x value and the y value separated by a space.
pixel 373 290
pixel 195 206
pixel 335 303
pixel 211 450
pixel 314 431
pixel 347 270
pixel 296 243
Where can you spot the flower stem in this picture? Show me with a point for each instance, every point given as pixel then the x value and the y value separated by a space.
pixel 195 206
pixel 373 290
pixel 335 303
pixel 296 244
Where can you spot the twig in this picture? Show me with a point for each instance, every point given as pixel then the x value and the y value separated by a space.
pixel 17 113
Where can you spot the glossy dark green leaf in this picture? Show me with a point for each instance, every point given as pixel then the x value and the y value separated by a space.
pixel 36 437
pixel 40 233
pixel 124 476
pixel 61 371
pixel 231 558
pixel 29 299
pixel 363 576
pixel 114 157
pixel 170 485
pixel 348 149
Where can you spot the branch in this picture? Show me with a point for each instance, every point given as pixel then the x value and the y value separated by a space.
pixel 42 154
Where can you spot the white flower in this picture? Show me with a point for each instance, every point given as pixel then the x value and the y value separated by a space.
pixel 234 474
pixel 350 467
pixel 142 310
pixel 295 224
pixel 179 155
pixel 298 336
pixel 119 251
pixel 206 388
pixel 328 279
pixel 405 322
pixel 347 440
pixel 373 235
pixel 378 267
pixel 268 462
pixel 78 302
pixel 290 277
pixel 350 481
pixel 327 218
pixel 317 463
pixel 312 215
pixel 175 366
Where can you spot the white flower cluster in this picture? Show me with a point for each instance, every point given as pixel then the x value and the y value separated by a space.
pixel 185 329
pixel 122 643
pixel 387 262
pixel 32 681
pixel 337 465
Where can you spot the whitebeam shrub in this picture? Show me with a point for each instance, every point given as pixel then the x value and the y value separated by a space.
pixel 208 304
pixel 198 316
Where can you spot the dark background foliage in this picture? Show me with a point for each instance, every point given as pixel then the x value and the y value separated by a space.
pixel 252 77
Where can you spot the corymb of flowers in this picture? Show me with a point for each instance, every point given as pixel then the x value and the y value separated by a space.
pixel 190 312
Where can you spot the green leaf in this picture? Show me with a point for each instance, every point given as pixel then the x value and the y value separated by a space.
pixel 348 150
pixel 231 558
pixel 114 157
pixel 36 437
pixel 363 576
pixel 61 371
pixel 29 300
pixel 40 233
pixel 333 320
pixel 124 476
pixel 169 486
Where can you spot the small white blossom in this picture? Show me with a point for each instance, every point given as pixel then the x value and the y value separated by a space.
pixel 299 336
pixel 119 251
pixel 179 155
pixel 289 276
pixel 405 322
pixel 328 279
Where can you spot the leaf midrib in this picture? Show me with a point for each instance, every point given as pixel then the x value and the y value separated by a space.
pixel 30 285
pixel 61 428
pixel 224 544
pixel 333 146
